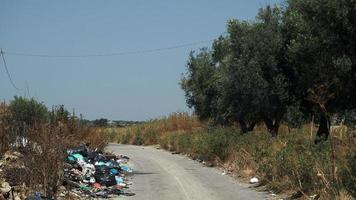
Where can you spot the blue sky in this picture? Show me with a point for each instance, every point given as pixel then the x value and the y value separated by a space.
pixel 131 87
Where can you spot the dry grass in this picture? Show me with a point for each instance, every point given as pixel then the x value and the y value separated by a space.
pixel 150 132
pixel 290 162
pixel 344 195
pixel 4 137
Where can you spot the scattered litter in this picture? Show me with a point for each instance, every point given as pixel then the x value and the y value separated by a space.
pixel 225 173
pixel 297 195
pixel 254 180
pixel 38 196
pixel 315 196
pixel 92 173
pixel 5 187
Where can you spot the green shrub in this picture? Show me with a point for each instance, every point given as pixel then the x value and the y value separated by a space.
pixel 299 166
pixel 210 144
pixel 184 143
pixel 28 111
pixel 138 139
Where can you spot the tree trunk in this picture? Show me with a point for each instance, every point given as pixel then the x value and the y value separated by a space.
pixel 245 128
pixel 276 127
pixel 251 127
pixel 324 128
pixel 272 126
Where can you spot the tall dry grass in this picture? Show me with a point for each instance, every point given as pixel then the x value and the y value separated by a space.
pixel 290 162
pixel 152 131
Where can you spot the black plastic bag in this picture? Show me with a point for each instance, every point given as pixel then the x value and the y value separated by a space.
pixel 105 179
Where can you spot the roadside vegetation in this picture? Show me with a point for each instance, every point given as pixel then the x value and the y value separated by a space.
pixel 33 145
pixel 288 163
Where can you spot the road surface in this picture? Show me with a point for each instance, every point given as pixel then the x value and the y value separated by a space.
pixel 159 175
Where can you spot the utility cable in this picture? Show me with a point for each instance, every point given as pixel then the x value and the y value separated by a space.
pixel 106 54
pixel 7 71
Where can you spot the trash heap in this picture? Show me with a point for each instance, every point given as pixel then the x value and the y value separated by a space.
pixel 92 173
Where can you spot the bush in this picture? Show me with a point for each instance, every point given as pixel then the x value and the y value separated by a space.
pixel 215 143
pixel 27 111
pixel 299 166
pixel 184 143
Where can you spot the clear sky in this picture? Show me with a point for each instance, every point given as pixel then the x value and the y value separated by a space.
pixel 131 87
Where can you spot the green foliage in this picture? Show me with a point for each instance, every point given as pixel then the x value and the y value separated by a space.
pixel 241 78
pixel 216 143
pixel 185 143
pixel 286 64
pixel 200 83
pixel 299 167
pixel 27 111
pixel 321 49
pixel 256 86
pixel 294 117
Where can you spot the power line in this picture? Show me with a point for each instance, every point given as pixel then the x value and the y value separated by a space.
pixel 107 54
pixel 7 71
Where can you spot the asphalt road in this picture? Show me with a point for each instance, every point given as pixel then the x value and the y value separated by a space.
pixel 159 175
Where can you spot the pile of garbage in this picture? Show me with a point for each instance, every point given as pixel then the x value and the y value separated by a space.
pixel 92 173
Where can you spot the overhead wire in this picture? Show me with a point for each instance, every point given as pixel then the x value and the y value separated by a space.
pixel 106 54
pixel 15 53
pixel 7 71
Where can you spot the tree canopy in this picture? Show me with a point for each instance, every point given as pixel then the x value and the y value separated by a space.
pixel 290 62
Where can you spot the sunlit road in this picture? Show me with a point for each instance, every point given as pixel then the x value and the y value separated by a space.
pixel 159 175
